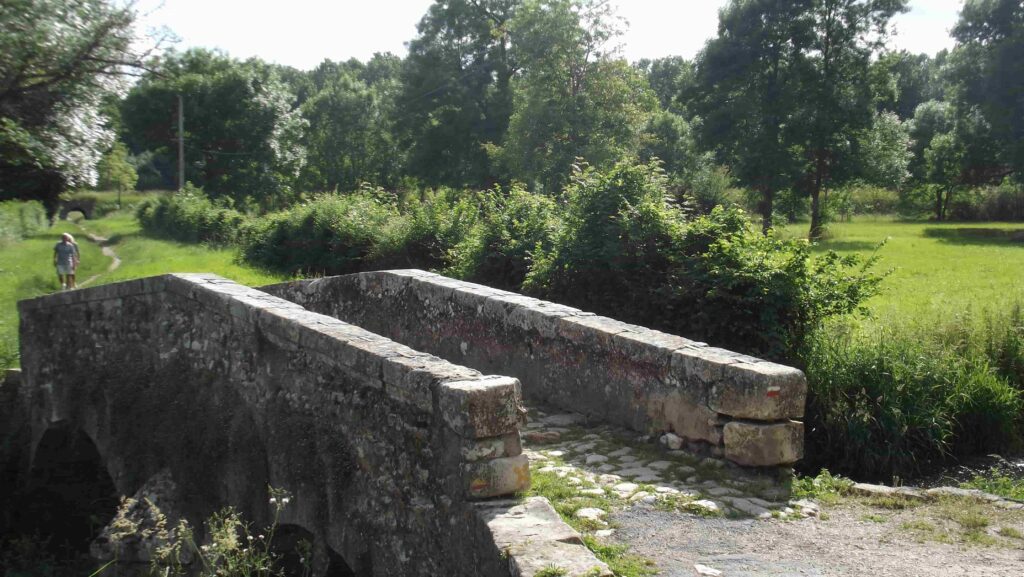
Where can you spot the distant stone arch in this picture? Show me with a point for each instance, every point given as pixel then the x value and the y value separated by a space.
pixel 86 206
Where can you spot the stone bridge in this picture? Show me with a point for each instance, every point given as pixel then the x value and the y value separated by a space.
pixel 199 393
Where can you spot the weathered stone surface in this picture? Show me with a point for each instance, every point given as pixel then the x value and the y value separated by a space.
pixel 496 477
pixel 648 381
pixel 757 445
pixel 535 538
pixel 260 392
pixel 759 391
pixel 482 407
pixel 886 491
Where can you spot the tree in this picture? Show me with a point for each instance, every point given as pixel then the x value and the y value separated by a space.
pixel 842 36
pixel 987 73
pixel 944 163
pixel 348 139
pixel 884 152
pixel 456 97
pixel 671 78
pixel 242 136
pixel 572 98
pixel 116 172
pixel 60 59
pixel 931 118
pixel 746 94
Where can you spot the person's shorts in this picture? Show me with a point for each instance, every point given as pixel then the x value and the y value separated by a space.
pixel 65 269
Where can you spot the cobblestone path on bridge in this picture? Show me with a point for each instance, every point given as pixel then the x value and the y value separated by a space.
pixel 694 515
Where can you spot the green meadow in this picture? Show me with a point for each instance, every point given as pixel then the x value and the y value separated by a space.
pixel 26 266
pixel 939 270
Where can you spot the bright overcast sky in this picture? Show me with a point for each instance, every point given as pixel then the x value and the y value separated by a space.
pixel 301 33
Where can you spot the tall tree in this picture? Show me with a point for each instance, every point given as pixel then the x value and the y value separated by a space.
pixel 349 140
pixel 59 60
pixel 456 96
pixel 987 73
pixel 671 78
pixel 573 98
pixel 242 136
pixel 842 36
pixel 747 79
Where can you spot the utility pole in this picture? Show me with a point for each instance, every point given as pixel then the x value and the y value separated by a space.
pixel 181 144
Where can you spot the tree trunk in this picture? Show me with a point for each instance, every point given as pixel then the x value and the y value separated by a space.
pixel 767 207
pixel 938 203
pixel 817 224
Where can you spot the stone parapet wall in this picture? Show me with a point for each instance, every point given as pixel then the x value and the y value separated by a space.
pixel 735 405
pixel 231 390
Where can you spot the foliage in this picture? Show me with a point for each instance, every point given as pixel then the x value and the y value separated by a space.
pixel 894 400
pixel 709 278
pixel 61 59
pixel 825 487
pixel 499 249
pixel 190 216
pixel 115 170
pixel 857 198
pixel 839 39
pixel 349 136
pixel 884 151
pixel 331 234
pixel 242 134
pixel 572 98
pixel 987 71
pixel 997 483
pixel 746 94
pixel 20 219
pixel 456 94
pixel 432 224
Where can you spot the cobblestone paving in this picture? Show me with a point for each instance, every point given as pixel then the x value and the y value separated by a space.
pixel 609 461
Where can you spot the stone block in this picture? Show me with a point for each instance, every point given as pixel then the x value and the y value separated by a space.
pixel 482 408
pixel 760 391
pixel 684 416
pixel 764 445
pixel 497 477
pixel 493 448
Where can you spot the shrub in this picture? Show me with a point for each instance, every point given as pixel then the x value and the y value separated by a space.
pixel 1000 203
pixel 19 219
pixel 190 216
pixel 498 250
pixel 891 402
pixel 331 234
pixel 711 278
pixel 429 229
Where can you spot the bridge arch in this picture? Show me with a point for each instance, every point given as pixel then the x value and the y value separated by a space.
pixel 70 494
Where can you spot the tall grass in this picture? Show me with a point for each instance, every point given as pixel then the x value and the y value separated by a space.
pixel 19 219
pixel 891 401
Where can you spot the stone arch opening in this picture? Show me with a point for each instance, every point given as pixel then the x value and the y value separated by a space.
pixel 300 553
pixel 65 211
pixel 69 495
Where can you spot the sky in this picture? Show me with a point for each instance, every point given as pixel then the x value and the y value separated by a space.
pixel 301 33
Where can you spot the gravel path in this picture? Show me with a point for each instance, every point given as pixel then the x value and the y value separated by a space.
pixel 846 545
pixel 683 512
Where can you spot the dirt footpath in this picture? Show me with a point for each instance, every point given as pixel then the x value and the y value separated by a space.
pixel 857 539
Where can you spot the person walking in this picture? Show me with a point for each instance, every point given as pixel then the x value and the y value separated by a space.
pixel 65 258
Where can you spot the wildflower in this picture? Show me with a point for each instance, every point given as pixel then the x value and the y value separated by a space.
pixel 285 500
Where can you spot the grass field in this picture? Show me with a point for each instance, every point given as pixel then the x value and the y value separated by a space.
pixel 26 269
pixel 939 269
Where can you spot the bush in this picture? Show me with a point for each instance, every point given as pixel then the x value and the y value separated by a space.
pixel 432 225
pixel 331 234
pixel 711 278
pixel 19 219
pixel 891 402
pixel 498 250
pixel 990 203
pixel 190 216
pixel 859 198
